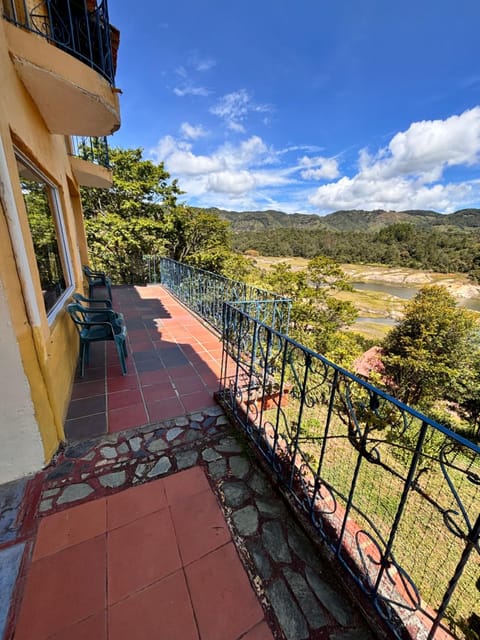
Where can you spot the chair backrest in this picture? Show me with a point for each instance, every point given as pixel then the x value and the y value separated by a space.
pixel 77 314
pixel 86 318
pixel 91 301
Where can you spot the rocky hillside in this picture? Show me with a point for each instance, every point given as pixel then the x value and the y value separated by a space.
pixel 352 220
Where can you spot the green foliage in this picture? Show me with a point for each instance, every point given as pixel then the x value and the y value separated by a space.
pixel 139 215
pixel 316 315
pixel 140 188
pixel 426 353
pixel 117 244
pixel 224 262
pixel 189 231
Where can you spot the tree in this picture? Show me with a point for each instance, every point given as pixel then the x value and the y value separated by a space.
pixel 426 353
pixel 316 315
pixel 117 244
pixel 139 215
pixel 140 188
pixel 188 232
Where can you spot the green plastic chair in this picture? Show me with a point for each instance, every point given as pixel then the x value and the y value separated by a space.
pixel 96 305
pixel 97 325
pixel 97 279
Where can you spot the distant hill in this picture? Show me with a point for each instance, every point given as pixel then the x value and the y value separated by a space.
pixel 267 220
pixel 350 220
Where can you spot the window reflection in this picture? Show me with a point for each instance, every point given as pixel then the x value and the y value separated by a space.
pixel 41 204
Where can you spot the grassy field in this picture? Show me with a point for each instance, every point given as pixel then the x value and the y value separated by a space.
pixel 426 549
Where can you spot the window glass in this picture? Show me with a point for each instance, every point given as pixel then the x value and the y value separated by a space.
pixel 41 202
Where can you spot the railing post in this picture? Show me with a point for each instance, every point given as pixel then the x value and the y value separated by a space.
pixel 472 543
pixel 401 506
pixel 324 439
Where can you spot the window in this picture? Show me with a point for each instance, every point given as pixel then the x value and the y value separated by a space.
pixel 42 205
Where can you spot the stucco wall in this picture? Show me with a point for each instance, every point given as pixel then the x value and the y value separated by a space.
pixel 38 355
pixel 21 450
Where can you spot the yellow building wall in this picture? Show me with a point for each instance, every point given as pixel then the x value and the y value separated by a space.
pixel 48 351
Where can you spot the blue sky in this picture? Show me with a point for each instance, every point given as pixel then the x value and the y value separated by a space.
pixel 307 105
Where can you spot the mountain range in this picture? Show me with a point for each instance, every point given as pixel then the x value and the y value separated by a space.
pixel 350 220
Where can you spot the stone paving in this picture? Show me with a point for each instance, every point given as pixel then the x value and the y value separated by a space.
pixel 301 598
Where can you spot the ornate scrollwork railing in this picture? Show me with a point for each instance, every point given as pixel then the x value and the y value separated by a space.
pixel 205 292
pixel 79 27
pixel 394 494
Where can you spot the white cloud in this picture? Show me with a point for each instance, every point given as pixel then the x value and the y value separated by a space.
pixel 319 168
pixel 408 172
pixel 234 108
pixel 189 90
pixel 205 64
pixel 192 132
pixel 231 182
pixel 231 170
pixel 250 152
pixel 398 193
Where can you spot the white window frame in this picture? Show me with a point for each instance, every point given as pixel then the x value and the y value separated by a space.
pixel 63 247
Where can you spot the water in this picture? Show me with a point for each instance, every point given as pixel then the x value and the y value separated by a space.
pixel 407 293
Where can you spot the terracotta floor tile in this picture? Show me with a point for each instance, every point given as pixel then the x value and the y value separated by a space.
pixel 184 371
pixel 153 377
pixel 161 612
pixel 63 589
pixel 122 383
pixel 93 628
pixel 137 336
pixel 218 582
pixel 141 346
pixel 158 391
pixel 126 417
pixel 259 632
pixel 86 427
pixel 196 401
pixel 165 409
pixel 86 406
pixel 114 370
pixel 67 528
pixel 189 385
pixel 124 398
pixel 91 373
pixel 86 389
pixel 200 526
pixel 141 553
pixel 184 485
pixel 127 506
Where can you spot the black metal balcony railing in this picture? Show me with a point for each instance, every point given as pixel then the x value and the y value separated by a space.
pixel 394 494
pixel 91 149
pixel 205 292
pixel 79 27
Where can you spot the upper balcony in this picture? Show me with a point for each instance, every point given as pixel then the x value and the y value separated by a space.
pixel 90 162
pixel 65 54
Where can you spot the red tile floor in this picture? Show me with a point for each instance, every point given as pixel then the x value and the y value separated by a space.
pixel 155 561
pixel 152 562
pixel 173 367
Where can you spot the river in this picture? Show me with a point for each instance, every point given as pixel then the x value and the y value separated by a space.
pixel 404 293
